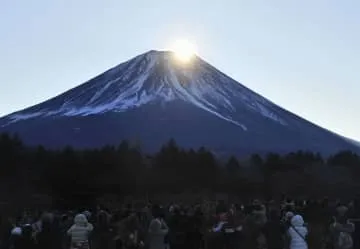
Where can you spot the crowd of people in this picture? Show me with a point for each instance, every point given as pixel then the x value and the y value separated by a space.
pixel 208 225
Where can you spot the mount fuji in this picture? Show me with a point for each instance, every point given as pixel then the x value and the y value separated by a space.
pixel 153 98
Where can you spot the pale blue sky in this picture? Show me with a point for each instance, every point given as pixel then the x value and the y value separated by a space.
pixel 303 55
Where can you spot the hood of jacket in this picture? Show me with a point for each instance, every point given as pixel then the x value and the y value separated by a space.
pixel 80 220
pixel 297 221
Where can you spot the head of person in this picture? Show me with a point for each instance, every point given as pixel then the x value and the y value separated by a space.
pixel 198 211
pixel 87 214
pixel 223 216
pixel 46 220
pixel 232 211
pixel 190 212
pixel 27 231
pixel 341 214
pixel 297 221
pixel 288 216
pixel 102 219
pixel 157 211
pixel 80 220
pixel 16 232
pixel 175 210
pixel 64 218
pixel 18 221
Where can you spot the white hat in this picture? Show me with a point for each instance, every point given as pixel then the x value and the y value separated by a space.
pixel 16 231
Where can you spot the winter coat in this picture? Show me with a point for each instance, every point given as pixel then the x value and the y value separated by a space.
pixel 297 233
pixel 273 232
pixel 25 243
pixel 49 237
pixel 80 231
pixel 157 232
pixel 342 235
pixel 177 232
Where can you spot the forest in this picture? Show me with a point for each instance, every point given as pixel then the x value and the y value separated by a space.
pixel 68 173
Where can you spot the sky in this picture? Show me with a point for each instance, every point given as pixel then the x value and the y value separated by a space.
pixel 302 55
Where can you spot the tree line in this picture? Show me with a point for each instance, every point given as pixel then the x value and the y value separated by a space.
pixel 125 169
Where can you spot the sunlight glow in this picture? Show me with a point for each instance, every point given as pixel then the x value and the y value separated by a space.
pixel 184 50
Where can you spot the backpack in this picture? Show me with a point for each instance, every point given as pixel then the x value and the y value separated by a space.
pixel 345 241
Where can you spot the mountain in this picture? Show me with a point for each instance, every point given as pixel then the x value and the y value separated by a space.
pixel 153 98
pixel 357 143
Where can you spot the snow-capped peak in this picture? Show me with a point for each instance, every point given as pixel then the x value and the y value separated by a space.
pixel 157 76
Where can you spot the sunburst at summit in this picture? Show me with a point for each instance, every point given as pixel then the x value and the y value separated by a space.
pixel 184 50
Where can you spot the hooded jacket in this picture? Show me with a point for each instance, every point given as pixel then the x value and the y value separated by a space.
pixel 297 232
pixel 80 231
pixel 157 232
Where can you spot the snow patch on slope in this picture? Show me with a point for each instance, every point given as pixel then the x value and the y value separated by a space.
pixel 188 96
pixel 23 116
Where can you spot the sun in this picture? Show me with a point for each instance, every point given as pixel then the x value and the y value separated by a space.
pixel 184 50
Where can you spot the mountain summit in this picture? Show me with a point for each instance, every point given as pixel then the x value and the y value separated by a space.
pixel 153 98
